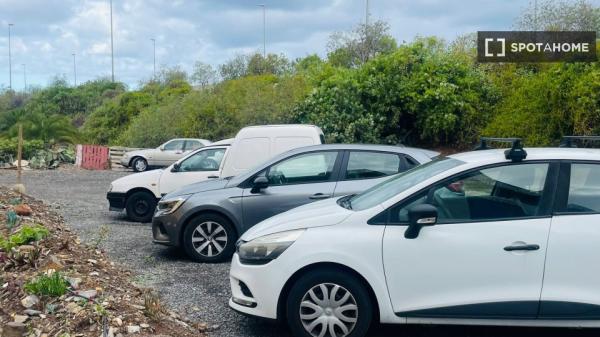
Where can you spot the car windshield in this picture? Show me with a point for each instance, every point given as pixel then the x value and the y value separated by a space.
pixel 398 184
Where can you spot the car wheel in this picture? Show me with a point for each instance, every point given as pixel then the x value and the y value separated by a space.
pixel 140 206
pixel 329 303
pixel 139 165
pixel 209 238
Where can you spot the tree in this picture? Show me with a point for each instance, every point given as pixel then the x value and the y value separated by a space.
pixel 51 129
pixel 351 49
pixel 235 68
pixel 204 74
pixel 273 64
pixel 560 15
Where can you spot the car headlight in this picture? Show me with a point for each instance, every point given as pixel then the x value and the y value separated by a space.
pixel 169 206
pixel 266 248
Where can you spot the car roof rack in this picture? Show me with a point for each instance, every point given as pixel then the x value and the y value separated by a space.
pixel 516 153
pixel 571 141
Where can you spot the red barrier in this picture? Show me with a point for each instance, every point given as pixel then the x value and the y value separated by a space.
pixel 95 157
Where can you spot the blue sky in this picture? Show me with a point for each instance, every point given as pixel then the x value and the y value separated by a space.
pixel 47 32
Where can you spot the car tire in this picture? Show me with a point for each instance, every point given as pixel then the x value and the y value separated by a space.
pixel 139 164
pixel 219 232
pixel 140 206
pixel 302 309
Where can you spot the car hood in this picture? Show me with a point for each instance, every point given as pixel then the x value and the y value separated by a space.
pixel 316 214
pixel 142 179
pixel 202 186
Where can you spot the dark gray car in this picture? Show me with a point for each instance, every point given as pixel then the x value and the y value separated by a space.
pixel 206 218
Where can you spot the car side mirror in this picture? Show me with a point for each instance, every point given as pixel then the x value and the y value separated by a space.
pixel 420 216
pixel 162 147
pixel 176 167
pixel 259 183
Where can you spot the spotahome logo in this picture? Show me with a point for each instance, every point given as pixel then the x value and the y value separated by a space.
pixel 519 46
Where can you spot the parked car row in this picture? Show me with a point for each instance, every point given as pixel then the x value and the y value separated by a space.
pixel 402 235
pixel 164 155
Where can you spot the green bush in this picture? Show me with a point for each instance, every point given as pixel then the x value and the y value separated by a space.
pixel 53 285
pixel 25 235
pixel 8 146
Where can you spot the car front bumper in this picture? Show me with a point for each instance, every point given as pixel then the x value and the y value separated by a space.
pixel 124 161
pixel 256 289
pixel 165 230
pixel 116 201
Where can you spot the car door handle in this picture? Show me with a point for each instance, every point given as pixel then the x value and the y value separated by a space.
pixel 212 177
pixel 521 247
pixel 317 196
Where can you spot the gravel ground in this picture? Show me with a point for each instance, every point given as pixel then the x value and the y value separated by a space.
pixel 199 290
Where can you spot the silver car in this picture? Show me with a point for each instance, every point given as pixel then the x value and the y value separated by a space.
pixel 206 218
pixel 164 155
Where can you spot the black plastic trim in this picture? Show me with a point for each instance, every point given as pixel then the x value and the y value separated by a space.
pixel 116 200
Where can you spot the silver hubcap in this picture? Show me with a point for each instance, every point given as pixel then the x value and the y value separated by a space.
pixel 328 309
pixel 209 239
pixel 140 165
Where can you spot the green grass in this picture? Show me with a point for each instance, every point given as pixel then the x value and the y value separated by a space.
pixel 54 285
pixel 25 235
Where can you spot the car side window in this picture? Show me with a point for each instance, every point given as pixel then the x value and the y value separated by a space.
pixel 410 163
pixel 496 193
pixel 306 168
pixel 367 164
pixel 192 145
pixel 584 189
pixel 174 145
pixel 206 160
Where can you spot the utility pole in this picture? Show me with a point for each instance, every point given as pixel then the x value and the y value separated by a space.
pixel 264 8
pixel 535 15
pixel 367 14
pixel 24 78
pixel 74 71
pixel 154 57
pixel 112 50
pixel 9 59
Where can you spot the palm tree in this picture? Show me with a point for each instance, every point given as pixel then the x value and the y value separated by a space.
pixel 51 129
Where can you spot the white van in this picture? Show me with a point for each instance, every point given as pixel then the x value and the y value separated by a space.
pixel 138 193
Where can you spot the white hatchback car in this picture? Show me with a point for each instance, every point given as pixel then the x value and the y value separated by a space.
pixel 488 237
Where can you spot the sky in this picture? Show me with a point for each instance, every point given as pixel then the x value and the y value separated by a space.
pixel 47 32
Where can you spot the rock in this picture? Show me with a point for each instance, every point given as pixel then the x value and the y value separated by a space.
pixel 21 318
pixel 14 329
pixel 23 210
pixel 73 308
pixel 30 301
pixel 117 321
pixel 92 261
pixel 133 329
pixel 31 312
pixel 54 263
pixel 144 326
pixel 94 273
pixel 74 282
pixel 139 307
pixel 87 294
pixel 19 188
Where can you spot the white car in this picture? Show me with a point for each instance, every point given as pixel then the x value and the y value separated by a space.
pixel 485 237
pixel 164 155
pixel 139 193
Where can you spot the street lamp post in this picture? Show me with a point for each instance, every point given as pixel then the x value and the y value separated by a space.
pixel 112 52
pixel 154 57
pixel 264 8
pixel 24 78
pixel 9 59
pixel 74 70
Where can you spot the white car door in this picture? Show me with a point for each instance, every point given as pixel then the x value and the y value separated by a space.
pixel 485 256
pixel 572 279
pixel 201 165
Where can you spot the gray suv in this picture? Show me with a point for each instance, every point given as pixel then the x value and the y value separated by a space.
pixel 207 218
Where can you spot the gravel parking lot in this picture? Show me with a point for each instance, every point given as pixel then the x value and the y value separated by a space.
pixel 199 290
